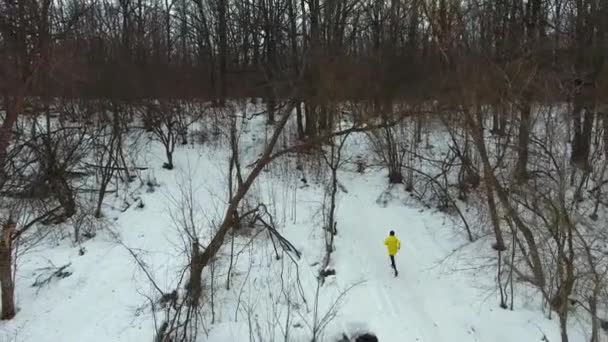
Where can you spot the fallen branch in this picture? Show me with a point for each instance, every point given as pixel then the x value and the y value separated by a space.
pixel 285 244
pixel 55 272
pixel 119 168
pixel 141 265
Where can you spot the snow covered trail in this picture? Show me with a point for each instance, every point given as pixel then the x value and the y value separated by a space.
pixel 424 303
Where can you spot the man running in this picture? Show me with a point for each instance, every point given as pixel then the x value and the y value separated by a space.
pixel 393 245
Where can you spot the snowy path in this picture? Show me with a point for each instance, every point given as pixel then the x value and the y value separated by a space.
pixel 423 303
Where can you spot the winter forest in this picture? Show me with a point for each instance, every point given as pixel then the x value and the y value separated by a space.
pixel 228 170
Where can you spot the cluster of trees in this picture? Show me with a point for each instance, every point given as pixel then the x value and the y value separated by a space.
pixel 310 50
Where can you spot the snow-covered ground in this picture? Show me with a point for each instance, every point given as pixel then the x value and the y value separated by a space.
pixel 444 291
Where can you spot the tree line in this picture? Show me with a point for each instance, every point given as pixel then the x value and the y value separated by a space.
pixel 311 50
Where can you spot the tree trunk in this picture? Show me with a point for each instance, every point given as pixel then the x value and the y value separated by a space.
pixel 100 196
pixel 595 322
pixel 6 131
pixel 169 164
pixel 223 47
pixel 293 38
pixel 310 119
pixel 64 194
pixel 495 122
pixel 331 225
pixel 7 284
pixel 271 67
pixel 581 145
pixel 521 168
pixel 477 134
pixel 500 244
pixel 322 117
pixel 196 268
pixel 605 124
pixel 301 124
pixel 270 107
pixel 563 324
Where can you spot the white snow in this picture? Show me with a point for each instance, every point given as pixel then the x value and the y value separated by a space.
pixel 444 291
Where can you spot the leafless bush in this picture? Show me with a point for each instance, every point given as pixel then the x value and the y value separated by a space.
pixel 85 225
pixel 201 136
pixel 321 318
pixel 163 118
pixel 389 144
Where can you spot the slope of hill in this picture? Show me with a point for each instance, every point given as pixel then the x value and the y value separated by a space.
pixel 106 289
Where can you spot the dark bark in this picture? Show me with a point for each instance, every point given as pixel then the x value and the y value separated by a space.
pixel 195 287
pixel 223 48
pixel 6 271
pixel 14 107
pixel 271 107
pixel 583 119
pixel 521 166
pixel 109 159
pixel 605 137
pixel 310 119
pixel 299 119
pixel 65 196
pixel 293 40
pixel 489 180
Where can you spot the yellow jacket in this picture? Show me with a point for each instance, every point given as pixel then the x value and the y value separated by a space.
pixel 392 244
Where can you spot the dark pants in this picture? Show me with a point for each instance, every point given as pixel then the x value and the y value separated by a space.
pixel 393 262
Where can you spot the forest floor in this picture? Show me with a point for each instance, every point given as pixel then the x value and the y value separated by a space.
pixel 445 290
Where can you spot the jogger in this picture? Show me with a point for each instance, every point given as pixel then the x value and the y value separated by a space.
pixel 392 245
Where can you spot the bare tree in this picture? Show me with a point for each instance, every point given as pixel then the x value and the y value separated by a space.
pixel 164 122
pixel 334 161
